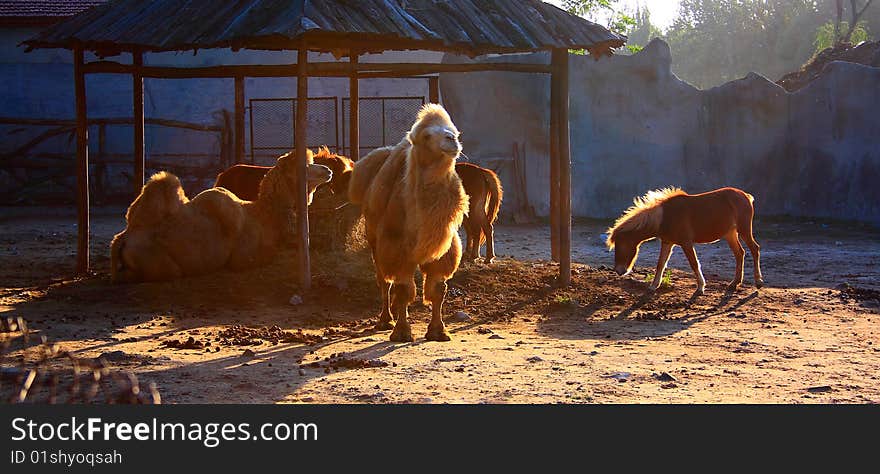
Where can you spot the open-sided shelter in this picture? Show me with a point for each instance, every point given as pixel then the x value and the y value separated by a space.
pixel 345 28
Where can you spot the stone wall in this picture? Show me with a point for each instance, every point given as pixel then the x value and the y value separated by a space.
pixel 635 126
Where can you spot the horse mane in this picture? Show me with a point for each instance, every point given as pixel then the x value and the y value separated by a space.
pixel 642 214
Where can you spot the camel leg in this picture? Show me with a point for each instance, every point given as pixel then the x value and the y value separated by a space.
pixel 435 288
pixel 472 249
pixel 733 241
pixel 665 253
pixel 691 255
pixel 403 292
pixel 755 250
pixel 385 323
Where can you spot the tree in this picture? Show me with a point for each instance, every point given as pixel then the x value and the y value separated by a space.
pixel 642 31
pixel 601 11
pixel 854 29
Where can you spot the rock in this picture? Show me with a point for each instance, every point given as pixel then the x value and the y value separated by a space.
pixel 248 353
pixel 114 356
pixel 461 316
pixel 484 331
pixel 534 359
pixel 669 385
pixel 296 300
pixel 620 376
pixel 495 336
pixel 447 359
pixel 664 377
pixel 820 389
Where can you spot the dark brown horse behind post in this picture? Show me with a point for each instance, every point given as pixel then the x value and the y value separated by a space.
pixel 682 219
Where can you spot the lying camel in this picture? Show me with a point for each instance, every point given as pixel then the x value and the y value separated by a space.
pixel 244 180
pixel 484 193
pixel 413 204
pixel 167 236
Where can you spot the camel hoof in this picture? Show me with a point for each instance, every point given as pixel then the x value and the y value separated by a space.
pixel 384 325
pixel 759 284
pixel 401 333
pixel 437 333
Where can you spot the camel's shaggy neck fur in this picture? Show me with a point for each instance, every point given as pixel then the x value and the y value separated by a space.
pixel 644 216
pixel 431 183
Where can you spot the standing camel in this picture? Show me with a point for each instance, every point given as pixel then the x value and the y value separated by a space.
pixel 413 204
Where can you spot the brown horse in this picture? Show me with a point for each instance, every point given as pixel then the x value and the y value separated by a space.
pixel 682 219
pixel 244 180
pixel 485 193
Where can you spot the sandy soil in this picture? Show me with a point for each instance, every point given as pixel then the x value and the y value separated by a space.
pixel 811 336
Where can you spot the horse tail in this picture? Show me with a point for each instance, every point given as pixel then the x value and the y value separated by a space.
pixel 116 261
pixel 496 194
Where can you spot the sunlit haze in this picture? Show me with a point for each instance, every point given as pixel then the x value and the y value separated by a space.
pixel 662 11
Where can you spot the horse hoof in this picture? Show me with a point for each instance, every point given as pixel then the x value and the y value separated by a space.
pixel 759 284
pixel 401 333
pixel 438 334
pixel 733 285
pixel 488 260
pixel 384 325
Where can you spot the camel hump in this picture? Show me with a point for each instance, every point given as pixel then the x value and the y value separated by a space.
pixel 223 207
pixel 161 197
pixel 364 171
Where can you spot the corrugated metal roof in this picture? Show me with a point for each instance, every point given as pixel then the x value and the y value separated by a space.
pixel 468 26
pixel 45 8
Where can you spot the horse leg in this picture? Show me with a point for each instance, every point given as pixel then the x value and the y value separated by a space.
pixel 733 241
pixel 403 292
pixel 665 253
pixel 691 255
pixel 489 230
pixel 754 249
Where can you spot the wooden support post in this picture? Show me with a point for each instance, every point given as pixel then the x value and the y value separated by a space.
pixel 354 119
pixel 554 160
pixel 239 119
pixel 300 142
pixel 138 103
pixel 82 162
pixel 434 89
pixel 562 60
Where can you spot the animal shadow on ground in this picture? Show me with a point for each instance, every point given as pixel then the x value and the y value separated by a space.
pixel 600 305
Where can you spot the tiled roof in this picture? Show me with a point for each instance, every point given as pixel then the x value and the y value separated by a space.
pixel 44 8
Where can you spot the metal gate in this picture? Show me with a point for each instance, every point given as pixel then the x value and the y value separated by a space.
pixel 383 121
pixel 273 122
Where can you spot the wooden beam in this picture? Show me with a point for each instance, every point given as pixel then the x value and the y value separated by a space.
pixel 112 121
pixel 554 161
pixel 239 119
pixel 434 89
pixel 354 117
pixel 82 163
pixel 300 139
pixel 138 115
pixel 325 69
pixel 562 61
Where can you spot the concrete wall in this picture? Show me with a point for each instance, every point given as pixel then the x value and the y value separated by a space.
pixel 635 126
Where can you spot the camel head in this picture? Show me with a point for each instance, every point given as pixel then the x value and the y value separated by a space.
pixel 435 138
pixel 286 167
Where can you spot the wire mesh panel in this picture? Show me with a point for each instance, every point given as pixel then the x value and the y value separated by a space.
pixel 383 120
pixel 273 122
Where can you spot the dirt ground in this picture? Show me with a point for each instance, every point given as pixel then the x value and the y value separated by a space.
pixel 811 336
